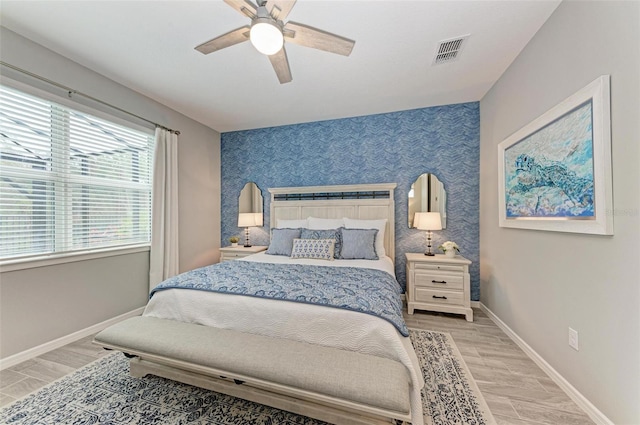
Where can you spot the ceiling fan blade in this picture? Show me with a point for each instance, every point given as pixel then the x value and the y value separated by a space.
pixel 280 9
pixel 281 66
pixel 229 39
pixel 318 39
pixel 243 6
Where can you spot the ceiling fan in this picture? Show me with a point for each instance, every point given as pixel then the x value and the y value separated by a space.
pixel 268 33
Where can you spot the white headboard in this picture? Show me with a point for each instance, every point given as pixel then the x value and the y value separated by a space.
pixel 358 201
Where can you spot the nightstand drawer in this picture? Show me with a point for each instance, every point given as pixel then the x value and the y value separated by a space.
pixel 439 267
pixel 232 255
pixel 439 280
pixel 439 297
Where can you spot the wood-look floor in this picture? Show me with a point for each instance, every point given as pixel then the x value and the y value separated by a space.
pixel 517 391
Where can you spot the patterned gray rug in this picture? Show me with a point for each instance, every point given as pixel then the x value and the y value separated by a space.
pixel 104 393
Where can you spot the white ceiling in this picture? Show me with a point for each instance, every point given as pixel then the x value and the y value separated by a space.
pixel 148 46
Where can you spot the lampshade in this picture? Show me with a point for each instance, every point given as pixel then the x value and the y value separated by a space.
pixel 258 218
pixel 266 37
pixel 249 219
pixel 427 221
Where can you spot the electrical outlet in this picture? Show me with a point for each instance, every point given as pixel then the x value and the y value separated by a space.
pixel 573 339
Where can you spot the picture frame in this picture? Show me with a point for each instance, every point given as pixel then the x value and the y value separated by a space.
pixel 554 174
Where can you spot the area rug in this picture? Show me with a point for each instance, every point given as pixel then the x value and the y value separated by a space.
pixel 104 393
pixel 450 395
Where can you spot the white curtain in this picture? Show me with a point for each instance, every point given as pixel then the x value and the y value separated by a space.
pixel 164 209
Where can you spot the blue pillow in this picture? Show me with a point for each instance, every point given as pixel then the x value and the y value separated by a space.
pixel 282 241
pixel 359 244
pixel 325 234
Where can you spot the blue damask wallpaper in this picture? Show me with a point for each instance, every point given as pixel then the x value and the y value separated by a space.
pixel 387 148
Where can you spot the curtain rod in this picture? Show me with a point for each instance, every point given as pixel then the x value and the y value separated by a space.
pixel 71 92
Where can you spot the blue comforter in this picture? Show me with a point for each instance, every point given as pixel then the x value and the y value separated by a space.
pixel 364 290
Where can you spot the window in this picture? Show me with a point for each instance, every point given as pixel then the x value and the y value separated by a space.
pixel 69 181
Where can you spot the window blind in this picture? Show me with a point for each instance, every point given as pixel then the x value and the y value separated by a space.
pixel 69 181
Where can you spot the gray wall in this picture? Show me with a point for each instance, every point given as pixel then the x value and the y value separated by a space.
pixel 541 283
pixel 46 303
pixel 42 304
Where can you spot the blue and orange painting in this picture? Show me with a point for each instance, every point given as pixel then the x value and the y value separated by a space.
pixel 549 174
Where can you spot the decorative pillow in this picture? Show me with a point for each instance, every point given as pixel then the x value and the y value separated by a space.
pixel 325 234
pixel 291 224
pixel 380 224
pixel 324 223
pixel 359 244
pixel 282 241
pixel 318 249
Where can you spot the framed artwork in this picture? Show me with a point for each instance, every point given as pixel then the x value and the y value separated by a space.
pixel 555 173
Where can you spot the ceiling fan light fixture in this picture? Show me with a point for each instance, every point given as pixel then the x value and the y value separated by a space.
pixel 267 32
pixel 266 37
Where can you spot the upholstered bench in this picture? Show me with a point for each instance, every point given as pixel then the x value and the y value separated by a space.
pixel 330 384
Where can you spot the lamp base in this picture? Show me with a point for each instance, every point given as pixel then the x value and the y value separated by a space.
pixel 246 238
pixel 428 251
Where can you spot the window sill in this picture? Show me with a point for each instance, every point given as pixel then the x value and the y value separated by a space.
pixel 69 257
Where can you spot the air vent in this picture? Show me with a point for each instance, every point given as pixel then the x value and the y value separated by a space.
pixel 449 50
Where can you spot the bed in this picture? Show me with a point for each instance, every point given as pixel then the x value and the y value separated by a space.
pixel 295 319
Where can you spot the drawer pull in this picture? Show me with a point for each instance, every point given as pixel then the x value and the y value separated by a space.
pixel 439 281
pixel 442 298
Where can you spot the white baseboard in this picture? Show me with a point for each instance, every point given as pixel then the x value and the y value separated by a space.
pixel 596 415
pixel 475 304
pixel 60 342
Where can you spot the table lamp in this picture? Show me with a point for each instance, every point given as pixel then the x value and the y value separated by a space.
pixel 428 221
pixel 247 220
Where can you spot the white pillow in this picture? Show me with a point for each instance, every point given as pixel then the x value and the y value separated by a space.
pixel 316 223
pixel 381 224
pixel 291 224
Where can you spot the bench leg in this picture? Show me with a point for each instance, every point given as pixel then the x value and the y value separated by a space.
pixel 135 370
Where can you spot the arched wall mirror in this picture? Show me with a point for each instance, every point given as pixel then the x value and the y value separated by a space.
pixel 427 194
pixel 250 200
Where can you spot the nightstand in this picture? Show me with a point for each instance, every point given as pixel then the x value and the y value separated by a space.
pixel 229 253
pixel 439 283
